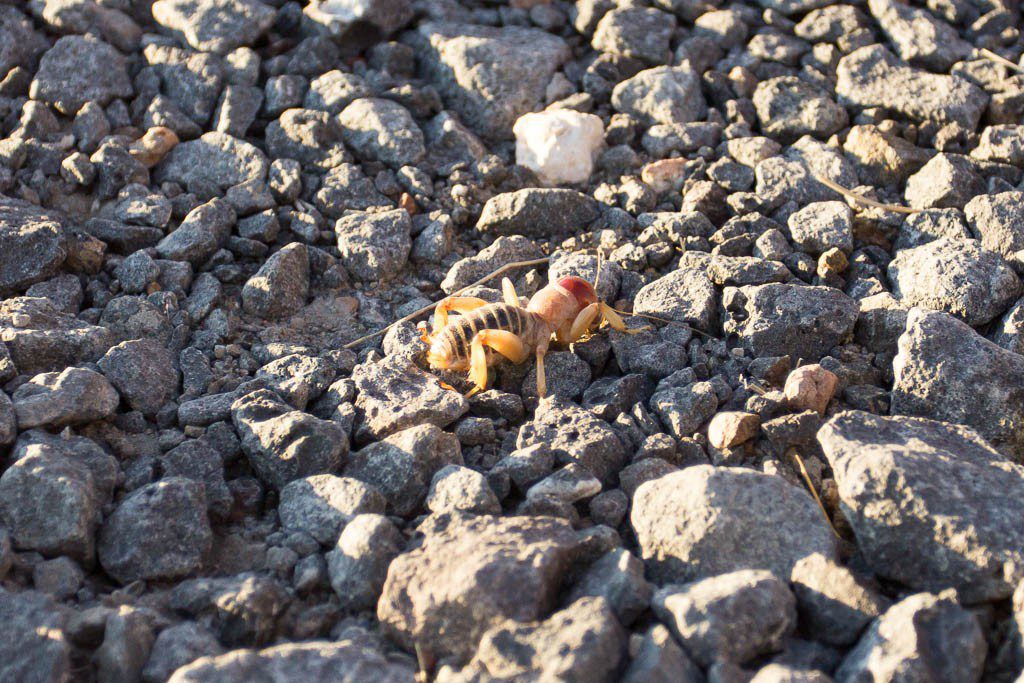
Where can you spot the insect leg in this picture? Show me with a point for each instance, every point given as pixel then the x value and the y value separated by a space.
pixel 615 320
pixel 508 293
pixel 583 322
pixel 507 344
pixel 459 304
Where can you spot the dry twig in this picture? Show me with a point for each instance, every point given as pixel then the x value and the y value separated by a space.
pixel 861 199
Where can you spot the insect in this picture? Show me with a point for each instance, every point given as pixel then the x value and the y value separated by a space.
pixel 473 340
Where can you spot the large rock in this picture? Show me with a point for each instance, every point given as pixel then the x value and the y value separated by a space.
pixel 794 320
pixel 489 76
pixel 789 108
pixel 538 212
pixel 217 26
pixel 958 277
pixel 284 444
pixel 922 638
pixel 215 158
pixel 33 243
pixel 41 338
pixel 321 505
pixel 834 603
pixel 20 45
pixel 894 476
pixel 374 246
pixel 703 521
pixel 382 130
pixel 77 70
pixel 996 220
pixel 685 295
pixel 158 532
pixel 663 94
pixel 201 233
pixel 470 574
pixel 142 370
pixel 946 371
pixel 75 396
pixel 920 37
pixel 34 648
pixel 319 660
pixel 281 285
pixel 358 564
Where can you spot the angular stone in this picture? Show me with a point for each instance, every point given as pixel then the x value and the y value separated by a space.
pixel 321 505
pixel 834 604
pixel 663 94
pixel 80 69
pixel 881 157
pixel 281 285
pixel 217 26
pixel 538 212
pixel 374 246
pixel 33 242
pixel 215 158
pixel 142 371
pixel 382 130
pixel 358 564
pixel 789 108
pixel 204 229
pixel 45 339
pixel 947 181
pixel 920 37
pixel 34 648
pixel 75 396
pixel 685 295
pixel 996 220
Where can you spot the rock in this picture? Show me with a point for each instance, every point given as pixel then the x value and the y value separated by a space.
pixel 455 488
pixel 946 371
pixel 321 505
pixel 358 565
pixel 560 146
pixel 810 387
pixel 1009 334
pixel 334 90
pixel 326 661
pixel 582 642
pixel 821 226
pixel 22 44
pixel 538 213
pixel 197 460
pixel 349 20
pixel 732 428
pixel 45 339
pixel 470 574
pixel 402 465
pixel 882 462
pixel 217 26
pixel 157 532
pixel 569 484
pixel 77 70
pixel 501 252
pixel 281 285
pixel 297 378
pixel 143 373
pixel 833 603
pixel 60 577
pixel 618 577
pixel 50 503
pixel 921 637
pixel 929 225
pixel 663 94
pixel 489 76
pixel 205 229
pixel 789 108
pixel 75 396
pixel 576 436
pixel 995 220
pixel 312 138
pixel 954 276
pixel 374 246
pixel 33 241
pixel 214 158
pixel 882 158
pixel 946 181
pixel 684 409
pixel 395 394
pixel 791 177
pixel 345 187
pixel 919 37
pixel 685 295
pixel 34 648
pixel 284 444
pixel 638 32
pixel 684 522
pixel 127 640
pixel 242 610
pixel 872 76
pixel 792 320
pixel 1002 143
pixel 382 130
pixel 734 616
pixel 659 659
pixel 177 646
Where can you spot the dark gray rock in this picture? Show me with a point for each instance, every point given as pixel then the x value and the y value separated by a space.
pixel 618 577
pixel 321 505
pixel 205 229
pixel 684 409
pixel 659 659
pixel 80 69
pixel 919 37
pixel 932 224
pixel 374 246
pixel 637 32
pixel 345 187
pixel 242 610
pixel 834 604
pixel 502 251
pixel 143 372
pixel 127 639
pixel 538 212
pixel 333 91
pixel 821 226
pixel 45 339
pixel 685 295
pixel 22 45
pixel 75 396
pixel 34 648
pixel 358 564
pixel 382 130
pixel 455 488
pixel 215 158
pixel 353 20
pixel 33 241
pixel 197 460
pixel 313 138
pixel 789 108
pixel 177 646
pixel 281 285
pixel 663 94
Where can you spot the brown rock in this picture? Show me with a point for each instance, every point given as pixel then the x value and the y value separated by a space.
pixel 732 428
pixel 810 387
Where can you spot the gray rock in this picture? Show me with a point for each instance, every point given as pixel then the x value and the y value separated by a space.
pixel 358 564
pixel 33 241
pixel 215 158
pixel 747 270
pixel 142 371
pixel 923 637
pixel 77 70
pixel 920 38
pixel 45 339
pixel 879 462
pixel 374 246
pixel 104 467
pixel 242 610
pixel 789 108
pixel 1002 143
pixel 60 577
pixel 947 371
pixel 618 577
pixel 313 138
pixel 281 285
pixel 995 220
pixel 455 488
pixel 1009 333
pixel 791 177
pixel 177 646
pixel 470 574
pixel 703 521
pixel 874 77
pixel 637 32
pixel 158 532
pixel 395 394
pixel 205 229
pixel 22 44
pixel 932 224
pixel 333 91
pixel 402 465
pixel 789 7
pixel 489 76
pixel 321 660
pixel 351 20
pixel 685 295
pixel 217 26
pixel 733 617
pixel 197 460
pixel 321 505
pixel 75 396
pixel 958 277
pixel 946 181
pixel 881 157
pixel 569 484
pixel 127 640
pixel 449 142
pixel 834 604
pixel 659 659
pixel 382 130
pixel 283 444
pixel 821 226
pixel 49 503
pixel 663 94
pixel 345 187
pixel 794 320
pixel 298 378
pixel 34 648
pixel 538 213
pixel 582 642
pixel 501 252
pixel 684 409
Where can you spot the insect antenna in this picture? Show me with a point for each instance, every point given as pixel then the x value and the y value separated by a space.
pixel 667 322
pixel 597 277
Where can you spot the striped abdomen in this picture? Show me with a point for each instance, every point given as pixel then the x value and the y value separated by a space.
pixel 453 342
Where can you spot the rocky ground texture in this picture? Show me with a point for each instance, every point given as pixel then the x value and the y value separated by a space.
pixel 810 469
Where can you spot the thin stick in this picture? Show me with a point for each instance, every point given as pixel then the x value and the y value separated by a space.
pixel 810 487
pixel 988 54
pixel 426 309
pixel 861 198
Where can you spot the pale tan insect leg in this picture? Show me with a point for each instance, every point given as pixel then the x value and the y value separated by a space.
pixel 505 343
pixel 458 304
pixel 616 322
pixel 508 293
pixel 542 382
pixel 583 321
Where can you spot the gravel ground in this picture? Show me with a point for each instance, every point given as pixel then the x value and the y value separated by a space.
pixel 809 470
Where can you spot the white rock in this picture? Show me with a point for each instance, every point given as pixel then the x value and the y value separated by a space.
pixel 560 146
